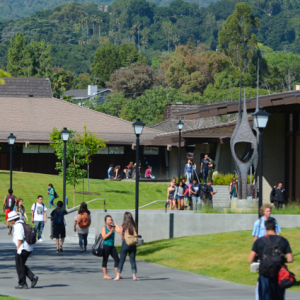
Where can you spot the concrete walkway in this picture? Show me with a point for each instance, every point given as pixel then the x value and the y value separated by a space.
pixel 71 275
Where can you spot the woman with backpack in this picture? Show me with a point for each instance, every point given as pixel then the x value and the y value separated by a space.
pixel 20 209
pixel 58 223
pixel 108 235
pixel 52 195
pixel 129 237
pixel 82 222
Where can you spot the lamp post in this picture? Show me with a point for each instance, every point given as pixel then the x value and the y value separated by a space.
pixel 179 126
pixel 138 127
pixel 65 133
pixel 260 119
pixel 11 141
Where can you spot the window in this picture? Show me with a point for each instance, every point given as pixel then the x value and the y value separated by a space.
pixel 46 149
pixel 31 149
pixel 116 150
pixel 103 151
pixel 151 150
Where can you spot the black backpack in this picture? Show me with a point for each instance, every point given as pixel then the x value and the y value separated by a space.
pixel 97 249
pixel 58 219
pixel 29 234
pixel 272 260
pixel 10 202
pixel 203 191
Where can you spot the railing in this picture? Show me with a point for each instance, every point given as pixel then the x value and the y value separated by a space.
pixel 151 204
pixel 97 199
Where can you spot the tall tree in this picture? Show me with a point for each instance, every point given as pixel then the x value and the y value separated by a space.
pixel 2 75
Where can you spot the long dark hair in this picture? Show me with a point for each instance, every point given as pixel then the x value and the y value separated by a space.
pixel 83 209
pixel 128 223
pixel 59 207
pixel 18 202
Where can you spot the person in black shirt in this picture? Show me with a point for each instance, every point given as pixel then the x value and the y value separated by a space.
pixel 204 167
pixel 268 288
pixel 211 167
pixel 278 194
pixel 209 193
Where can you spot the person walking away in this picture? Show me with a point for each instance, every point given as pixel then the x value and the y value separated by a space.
pixel 39 216
pixel 58 223
pixel 179 195
pixel 170 195
pixel 110 172
pixel 52 195
pixel 189 171
pixel 210 193
pixel 82 223
pixel 195 191
pixel 211 167
pixel 204 167
pixel 278 195
pixel 20 209
pixel 116 171
pixel 22 253
pixel 234 194
pixel 259 225
pixel 8 206
pixel 108 234
pixel 267 287
pixel 128 227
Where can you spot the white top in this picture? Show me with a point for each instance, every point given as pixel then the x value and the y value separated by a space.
pixel 19 235
pixel 39 211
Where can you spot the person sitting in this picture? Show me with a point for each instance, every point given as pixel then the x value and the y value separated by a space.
pixel 148 172
pixel 231 185
pixel 122 175
pixel 234 191
pixel 116 171
pixel 110 171
pixel 130 165
pixel 129 172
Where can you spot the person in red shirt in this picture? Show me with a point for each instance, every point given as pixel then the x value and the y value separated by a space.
pixel 8 206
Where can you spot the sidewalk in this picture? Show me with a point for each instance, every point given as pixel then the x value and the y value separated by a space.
pixel 71 275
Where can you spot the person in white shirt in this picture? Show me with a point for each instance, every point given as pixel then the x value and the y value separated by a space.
pixel 23 251
pixel 39 216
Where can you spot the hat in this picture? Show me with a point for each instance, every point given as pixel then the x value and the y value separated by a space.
pixel 12 216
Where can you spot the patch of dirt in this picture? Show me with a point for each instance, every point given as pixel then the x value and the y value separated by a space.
pixel 87 193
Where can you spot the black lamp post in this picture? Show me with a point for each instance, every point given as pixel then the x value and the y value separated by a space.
pixel 11 141
pixel 179 126
pixel 260 119
pixel 138 127
pixel 65 133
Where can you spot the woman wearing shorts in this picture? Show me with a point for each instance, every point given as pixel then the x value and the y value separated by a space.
pixel 179 195
pixel 171 200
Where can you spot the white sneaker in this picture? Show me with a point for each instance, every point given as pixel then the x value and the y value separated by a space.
pixel 40 240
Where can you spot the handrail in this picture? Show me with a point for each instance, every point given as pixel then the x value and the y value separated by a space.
pixel 74 208
pixel 151 204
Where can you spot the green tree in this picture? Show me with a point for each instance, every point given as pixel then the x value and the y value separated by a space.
pixel 2 75
pixel 62 81
pixel 236 39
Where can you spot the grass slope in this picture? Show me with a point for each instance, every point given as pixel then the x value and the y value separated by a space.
pixel 118 195
pixel 222 256
pixel 3 297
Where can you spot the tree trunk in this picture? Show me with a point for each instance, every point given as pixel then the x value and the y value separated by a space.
pixel 73 195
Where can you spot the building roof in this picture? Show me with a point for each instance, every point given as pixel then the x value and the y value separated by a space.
pixel 26 87
pixel 83 93
pixel 267 101
pixel 34 118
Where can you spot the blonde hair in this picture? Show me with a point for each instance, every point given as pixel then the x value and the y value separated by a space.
pixel 263 208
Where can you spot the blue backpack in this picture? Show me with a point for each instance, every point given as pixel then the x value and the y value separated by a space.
pixel 58 219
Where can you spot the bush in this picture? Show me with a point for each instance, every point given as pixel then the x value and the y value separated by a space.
pixel 221 179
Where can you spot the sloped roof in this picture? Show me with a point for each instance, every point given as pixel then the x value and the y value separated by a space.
pixel 34 118
pixel 173 110
pixel 26 87
pixel 83 93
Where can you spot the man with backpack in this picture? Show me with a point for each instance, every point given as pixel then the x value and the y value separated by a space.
pixel 39 216
pixel 259 225
pixel 23 237
pixel 271 250
pixel 8 206
pixel 207 193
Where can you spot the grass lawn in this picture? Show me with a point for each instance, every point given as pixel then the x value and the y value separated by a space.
pixel 222 256
pixel 3 297
pixel 118 194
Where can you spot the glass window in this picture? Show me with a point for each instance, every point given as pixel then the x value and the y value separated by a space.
pixel 116 150
pixel 151 150
pixel 46 149
pixel 103 151
pixel 31 149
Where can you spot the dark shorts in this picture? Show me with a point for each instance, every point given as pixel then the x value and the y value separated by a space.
pixel 59 231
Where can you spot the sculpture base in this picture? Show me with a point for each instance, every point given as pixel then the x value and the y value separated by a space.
pixel 243 205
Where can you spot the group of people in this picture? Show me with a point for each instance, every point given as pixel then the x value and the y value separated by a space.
pixel 127 172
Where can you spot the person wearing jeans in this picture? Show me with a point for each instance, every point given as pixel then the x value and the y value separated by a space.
pixel 39 227
pixel 39 216
pixel 82 240
pixel 189 171
pixel 195 191
pixel 204 167
pixel 52 195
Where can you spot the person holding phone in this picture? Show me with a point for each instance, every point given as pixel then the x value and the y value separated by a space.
pixel 108 235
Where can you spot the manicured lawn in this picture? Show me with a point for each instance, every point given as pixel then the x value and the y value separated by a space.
pixel 222 256
pixel 3 297
pixel 118 195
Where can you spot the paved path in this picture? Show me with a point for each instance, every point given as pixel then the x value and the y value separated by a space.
pixel 71 275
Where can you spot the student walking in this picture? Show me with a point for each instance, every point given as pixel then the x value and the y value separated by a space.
pixel 209 193
pixel 39 216
pixel 128 227
pixel 204 167
pixel 170 197
pixel 108 234
pixel 267 287
pixel 195 191
pixel 179 195
pixel 58 223
pixel 259 225
pixel 189 171
pixel 278 195
pixel 22 253
pixel 20 209
pixel 8 206
pixel 82 223
pixel 52 195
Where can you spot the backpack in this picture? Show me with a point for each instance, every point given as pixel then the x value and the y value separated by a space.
pixel 29 234
pixel 55 195
pixel 10 201
pixel 203 191
pixel 58 219
pixel 97 249
pixel 286 279
pixel 272 260
pixel 84 220
pixel 131 240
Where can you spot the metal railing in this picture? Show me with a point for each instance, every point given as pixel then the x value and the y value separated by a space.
pixel 151 204
pixel 96 199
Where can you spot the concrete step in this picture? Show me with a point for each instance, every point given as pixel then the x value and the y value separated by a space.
pixel 74 237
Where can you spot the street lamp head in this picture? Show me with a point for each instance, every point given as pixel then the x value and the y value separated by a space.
pixel 180 125
pixel 65 133
pixel 260 118
pixel 138 126
pixel 11 139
